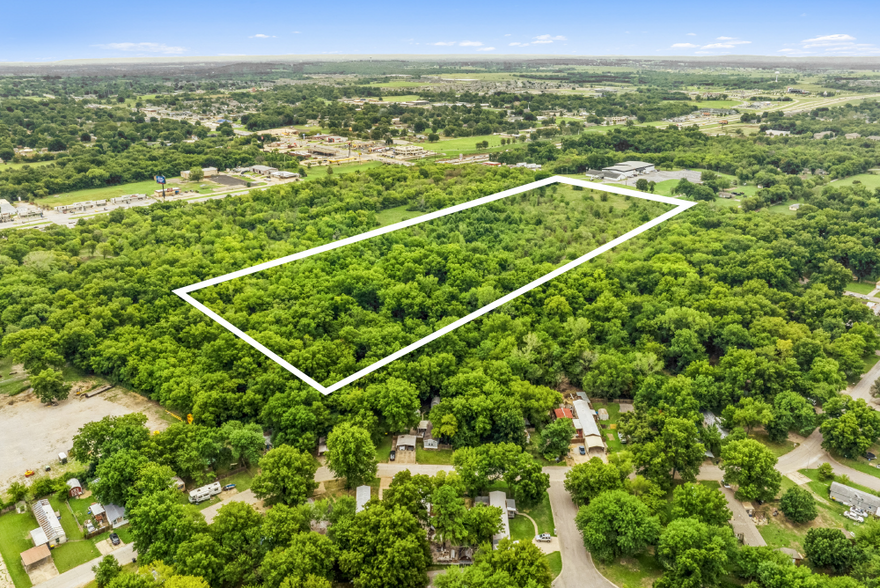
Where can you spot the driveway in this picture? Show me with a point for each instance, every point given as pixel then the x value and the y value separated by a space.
pixel 83 574
pixel 578 570
pixel 246 496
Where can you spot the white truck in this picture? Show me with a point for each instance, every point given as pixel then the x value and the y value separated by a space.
pixel 204 493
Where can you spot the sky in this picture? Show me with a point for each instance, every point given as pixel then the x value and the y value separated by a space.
pixel 88 29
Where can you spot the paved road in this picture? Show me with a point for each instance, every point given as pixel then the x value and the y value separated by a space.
pixel 862 389
pixel 82 575
pixel 578 570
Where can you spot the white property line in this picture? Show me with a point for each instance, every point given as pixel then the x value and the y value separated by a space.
pixel 184 293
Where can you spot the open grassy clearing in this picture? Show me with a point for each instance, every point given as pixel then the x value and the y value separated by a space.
pixel 405 98
pixel 778 449
pixel 12 165
pixel 716 103
pixel 554 560
pixel 434 456
pixel 399 84
pixel 783 208
pixel 321 172
pixel 145 187
pixel 870 181
pixel 857 287
pixel 383 449
pixel 12 381
pixel 15 538
pixel 389 216
pixel 463 144
pixel 632 572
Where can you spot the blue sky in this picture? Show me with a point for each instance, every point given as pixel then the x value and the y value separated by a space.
pixel 53 30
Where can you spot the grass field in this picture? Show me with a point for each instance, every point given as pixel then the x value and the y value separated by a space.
pixel 405 98
pixel 399 84
pixel 554 560
pixel 543 515
pixel 452 147
pixel 870 181
pixel 15 538
pixel 11 384
pixel 145 187
pixel 434 456
pixel 73 553
pixel 383 449
pixel 782 208
pixel 321 172
pixel 857 287
pixel 716 103
pixel 632 572
pixel 613 441
pixel 389 216
pixel 11 165
pixel 778 449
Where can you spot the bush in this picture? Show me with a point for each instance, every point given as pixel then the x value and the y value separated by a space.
pixel 826 472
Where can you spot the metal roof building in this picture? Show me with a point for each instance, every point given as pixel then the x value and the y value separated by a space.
pixel 363 497
pixel 499 499
pixel 49 523
pixel 857 498
pixel 593 438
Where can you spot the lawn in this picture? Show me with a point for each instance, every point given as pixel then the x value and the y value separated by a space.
pixel 715 103
pixel 11 165
pixel 242 480
pixel 321 171
pixel 870 181
pixel 543 515
pixel 452 147
pixel 612 439
pixel 398 84
pixel 778 449
pixel 521 529
pixel 857 287
pixel 389 216
pixel 74 553
pixel 11 384
pixel 68 523
pixel 14 538
pixel 434 456
pixel 632 572
pixel 145 187
pixel 406 98
pixel 554 560
pixel 383 449
pixel 782 208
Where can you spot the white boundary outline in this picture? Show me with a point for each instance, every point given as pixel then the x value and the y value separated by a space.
pixel 184 293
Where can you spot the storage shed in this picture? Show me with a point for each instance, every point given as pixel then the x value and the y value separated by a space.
pixel 74 488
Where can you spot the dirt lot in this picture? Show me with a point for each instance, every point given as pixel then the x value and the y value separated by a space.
pixel 32 434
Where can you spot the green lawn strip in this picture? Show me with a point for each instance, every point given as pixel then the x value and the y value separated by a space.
pixel 861 287
pixel 14 538
pixel 632 572
pixel 860 464
pixel 783 208
pixel 778 449
pixel 145 187
pixel 821 488
pixel 10 165
pixel 521 529
pixel 242 480
pixel 74 553
pixel 434 456
pixel 613 442
pixel 321 171
pixel 869 181
pixel 68 523
pixel 10 384
pixel 554 560
pixel 383 449
pixel 542 515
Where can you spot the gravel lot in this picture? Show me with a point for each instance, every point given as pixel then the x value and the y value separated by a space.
pixel 32 434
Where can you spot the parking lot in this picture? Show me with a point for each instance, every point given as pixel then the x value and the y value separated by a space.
pixel 33 434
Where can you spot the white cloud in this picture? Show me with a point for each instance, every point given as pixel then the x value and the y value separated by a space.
pixel 840 43
pixel 518 44
pixel 261 36
pixel 829 41
pixel 470 44
pixel 486 49
pixel 543 39
pixel 726 43
pixel 507 35
pixel 296 32
pixel 683 45
pixel 788 50
pixel 144 48
pixel 692 34
pixel 725 38
pixel 443 43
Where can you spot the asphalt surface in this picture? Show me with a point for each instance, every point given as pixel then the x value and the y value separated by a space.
pixel 862 389
pixel 741 522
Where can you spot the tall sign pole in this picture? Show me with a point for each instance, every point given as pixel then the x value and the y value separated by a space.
pixel 161 180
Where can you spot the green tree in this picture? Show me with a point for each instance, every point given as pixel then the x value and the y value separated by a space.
pixel 826 472
pixel 556 438
pixel 511 565
pixel 246 442
pixel 286 475
pixel 309 554
pixel 449 514
pixel 750 413
pixel 17 491
pixel 351 454
pixel 616 524
pixel 798 505
pixel 196 174
pixel 586 481
pixel 49 386
pixel 751 466
pixel 852 428
pixel 107 569
pixel 703 503
pixel 116 476
pixel 398 402
pixel 384 547
pixel 410 492
pixel 642 185
pixel 694 554
pixel 482 523
pixel 829 548
pixel 159 524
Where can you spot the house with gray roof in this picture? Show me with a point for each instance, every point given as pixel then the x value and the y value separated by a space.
pixel 855 498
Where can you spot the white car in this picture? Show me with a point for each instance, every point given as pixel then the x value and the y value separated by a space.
pixel 853 516
pixel 545 537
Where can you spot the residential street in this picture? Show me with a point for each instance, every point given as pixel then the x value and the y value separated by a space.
pixel 862 389
pixel 578 570
pixel 741 522
pixel 82 575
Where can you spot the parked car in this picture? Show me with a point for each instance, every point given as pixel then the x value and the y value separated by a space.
pixel 853 516
pixel 581 450
pixel 114 539
pixel 392 456
pixel 870 456
pixel 725 484
pixel 544 537
pixel 89 527
pixel 229 486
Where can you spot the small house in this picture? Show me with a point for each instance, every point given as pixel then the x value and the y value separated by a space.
pixel 50 523
pixel 406 443
pixel 563 413
pixel 855 498
pixel 322 446
pixel 852 135
pixel 178 484
pixel 116 515
pixel 796 558
pixel 795 206
pixel 432 444
pixel 98 512
pixel 35 556
pixel 422 428
pixel 498 499
pixel 74 488
pixel 511 508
